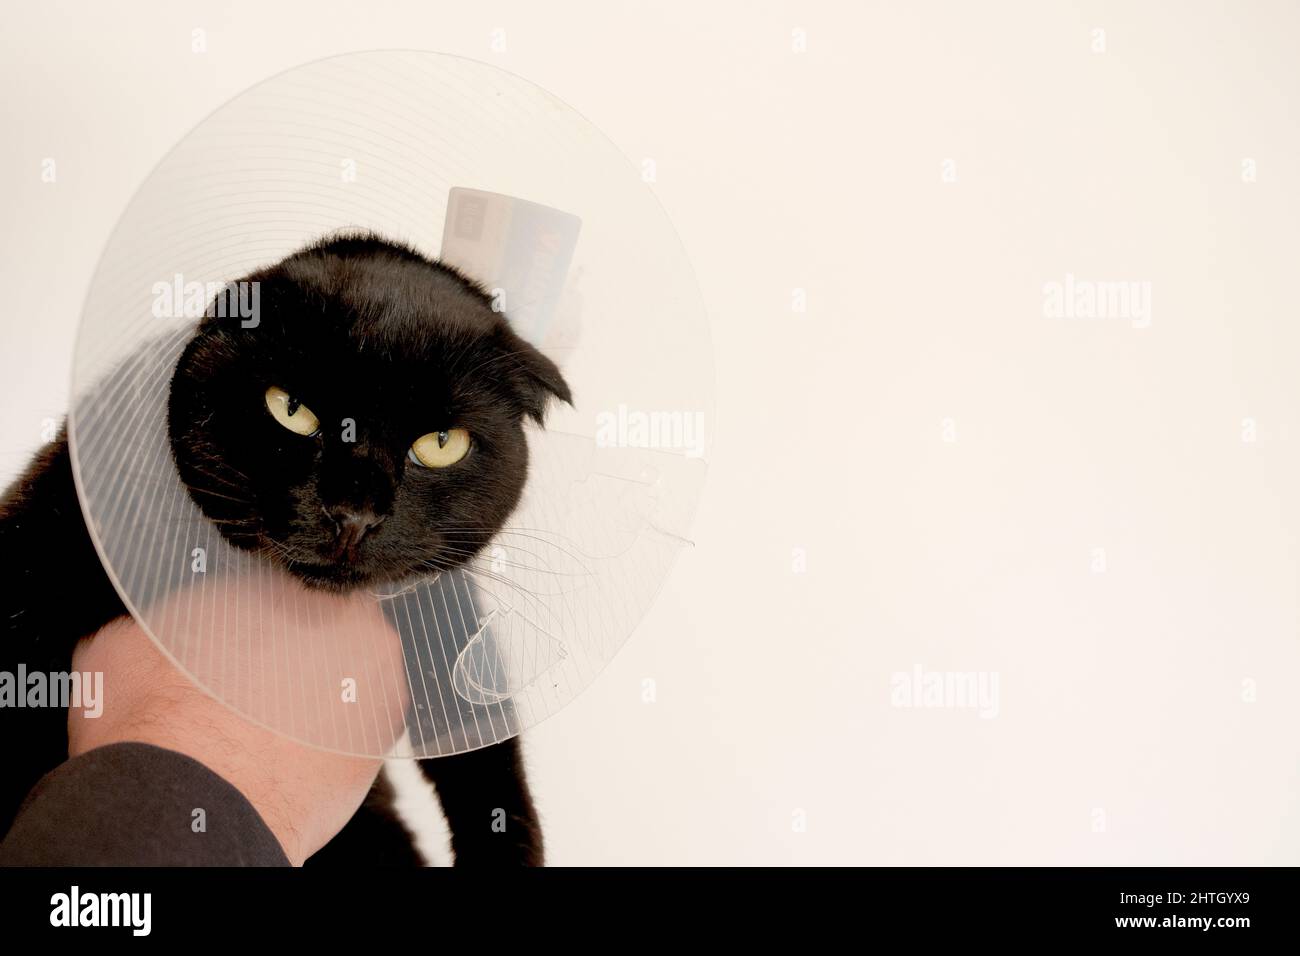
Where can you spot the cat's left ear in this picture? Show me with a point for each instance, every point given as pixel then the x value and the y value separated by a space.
pixel 536 379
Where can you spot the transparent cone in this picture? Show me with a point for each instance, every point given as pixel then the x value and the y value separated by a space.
pixel 435 665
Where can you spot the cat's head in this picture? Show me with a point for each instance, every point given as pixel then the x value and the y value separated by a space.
pixel 366 423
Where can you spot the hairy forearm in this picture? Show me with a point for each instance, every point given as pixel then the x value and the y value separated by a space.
pixel 304 795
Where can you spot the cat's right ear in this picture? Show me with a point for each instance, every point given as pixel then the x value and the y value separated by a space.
pixel 536 379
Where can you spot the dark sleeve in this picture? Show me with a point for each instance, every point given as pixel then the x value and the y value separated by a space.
pixel 134 804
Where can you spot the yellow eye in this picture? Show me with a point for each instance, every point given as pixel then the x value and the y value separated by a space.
pixel 440 449
pixel 291 413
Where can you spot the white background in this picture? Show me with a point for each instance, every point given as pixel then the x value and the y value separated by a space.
pixel 1147 713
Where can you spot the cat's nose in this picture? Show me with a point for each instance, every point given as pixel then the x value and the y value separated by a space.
pixel 351 525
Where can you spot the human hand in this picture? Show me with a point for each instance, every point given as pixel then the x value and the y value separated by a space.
pixel 304 794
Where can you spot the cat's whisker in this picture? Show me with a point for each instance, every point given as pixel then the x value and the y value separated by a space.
pixel 506 562
pixel 287 552
pixel 413 586
pixel 198 490
pixel 534 597
pixel 219 478
pixel 249 524
pixel 533 537
pixel 235 471
pixel 468 566
pixel 516 548
pixel 527 594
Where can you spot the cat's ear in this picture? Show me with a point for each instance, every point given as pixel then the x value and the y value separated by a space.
pixel 535 378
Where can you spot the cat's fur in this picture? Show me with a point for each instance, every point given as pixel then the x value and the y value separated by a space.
pixel 356 328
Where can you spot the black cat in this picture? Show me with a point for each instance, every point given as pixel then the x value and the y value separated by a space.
pixel 435 388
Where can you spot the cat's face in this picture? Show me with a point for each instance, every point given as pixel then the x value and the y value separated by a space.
pixel 369 427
